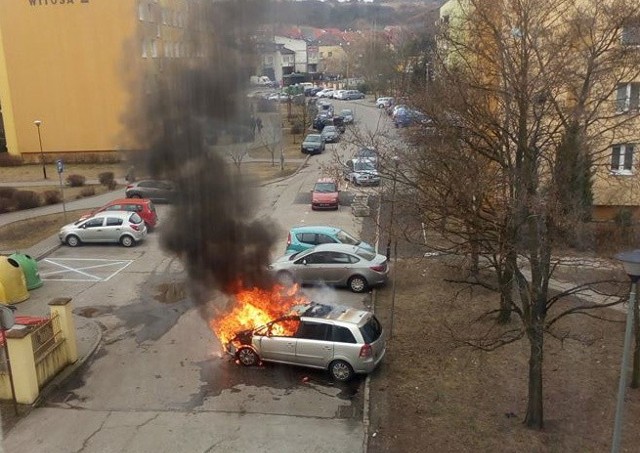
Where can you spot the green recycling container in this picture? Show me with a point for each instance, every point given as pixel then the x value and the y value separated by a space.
pixel 29 269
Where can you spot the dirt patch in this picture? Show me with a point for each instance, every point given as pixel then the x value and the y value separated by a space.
pixel 430 394
pixel 13 237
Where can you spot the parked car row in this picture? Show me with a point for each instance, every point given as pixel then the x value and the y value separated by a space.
pixel 344 95
pixel 124 221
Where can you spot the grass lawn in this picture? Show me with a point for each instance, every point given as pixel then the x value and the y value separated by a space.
pixel 13 237
pixel 33 172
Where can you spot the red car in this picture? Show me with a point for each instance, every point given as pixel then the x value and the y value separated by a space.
pixel 325 194
pixel 142 206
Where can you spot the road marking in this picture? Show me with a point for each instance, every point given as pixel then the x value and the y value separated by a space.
pixel 66 271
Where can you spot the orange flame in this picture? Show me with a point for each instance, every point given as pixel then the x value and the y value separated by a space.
pixel 255 307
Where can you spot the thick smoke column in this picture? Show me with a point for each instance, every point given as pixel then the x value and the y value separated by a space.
pixel 200 100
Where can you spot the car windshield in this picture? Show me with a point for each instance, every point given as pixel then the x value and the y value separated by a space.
pixel 363 166
pixel 346 112
pixel 329 129
pixel 367 153
pixel 313 138
pixel 346 238
pixel 325 187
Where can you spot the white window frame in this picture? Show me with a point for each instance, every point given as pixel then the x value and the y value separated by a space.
pixel 142 11
pixel 144 48
pixel 625 159
pixel 629 103
pixel 154 49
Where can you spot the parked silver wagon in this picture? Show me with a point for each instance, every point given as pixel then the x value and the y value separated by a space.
pixel 339 339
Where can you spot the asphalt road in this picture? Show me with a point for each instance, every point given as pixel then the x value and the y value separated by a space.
pixel 159 381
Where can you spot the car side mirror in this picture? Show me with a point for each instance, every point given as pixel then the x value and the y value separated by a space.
pixel 304 262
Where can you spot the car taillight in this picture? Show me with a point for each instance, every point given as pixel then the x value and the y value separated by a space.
pixel 134 226
pixel 289 239
pixel 366 351
pixel 130 186
pixel 379 268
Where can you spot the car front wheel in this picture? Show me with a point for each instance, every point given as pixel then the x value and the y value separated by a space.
pixel 73 240
pixel 247 356
pixel 341 371
pixel 357 284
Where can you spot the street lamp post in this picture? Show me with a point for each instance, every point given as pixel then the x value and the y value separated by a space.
pixel 631 263
pixel 44 169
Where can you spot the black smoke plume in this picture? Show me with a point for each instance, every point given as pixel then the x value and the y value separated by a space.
pixel 194 102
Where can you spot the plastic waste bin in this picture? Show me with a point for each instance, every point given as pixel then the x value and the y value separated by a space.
pixel 13 286
pixel 29 269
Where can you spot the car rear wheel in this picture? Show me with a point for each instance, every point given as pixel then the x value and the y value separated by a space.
pixel 341 371
pixel 357 284
pixel 127 241
pixel 247 356
pixel 73 240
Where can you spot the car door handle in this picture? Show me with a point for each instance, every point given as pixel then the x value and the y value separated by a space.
pixel 328 348
pixel 290 344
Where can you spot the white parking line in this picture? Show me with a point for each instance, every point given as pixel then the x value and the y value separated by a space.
pixel 75 270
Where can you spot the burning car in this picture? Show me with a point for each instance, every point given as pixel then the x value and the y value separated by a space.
pixel 342 340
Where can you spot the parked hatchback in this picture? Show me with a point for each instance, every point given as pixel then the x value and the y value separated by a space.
pixel 141 206
pixel 125 228
pixel 155 190
pixel 341 340
pixel 333 264
pixel 312 144
pixel 325 194
pixel 330 134
pixel 304 237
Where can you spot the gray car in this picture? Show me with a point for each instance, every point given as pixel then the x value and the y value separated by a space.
pixel 312 144
pixel 333 264
pixel 342 340
pixel 123 227
pixel 362 172
pixel 155 190
pixel 330 134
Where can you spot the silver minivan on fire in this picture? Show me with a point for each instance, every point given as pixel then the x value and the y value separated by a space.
pixel 342 340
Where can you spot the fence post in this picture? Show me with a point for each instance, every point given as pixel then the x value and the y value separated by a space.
pixel 23 365
pixel 61 307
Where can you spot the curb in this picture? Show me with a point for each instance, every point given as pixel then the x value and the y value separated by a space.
pixel 275 181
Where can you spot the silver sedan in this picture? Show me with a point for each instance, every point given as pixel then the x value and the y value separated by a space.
pixel 333 264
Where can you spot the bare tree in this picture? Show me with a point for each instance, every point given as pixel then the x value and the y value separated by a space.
pixel 523 110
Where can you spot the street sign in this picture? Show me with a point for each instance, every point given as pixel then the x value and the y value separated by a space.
pixel 60 165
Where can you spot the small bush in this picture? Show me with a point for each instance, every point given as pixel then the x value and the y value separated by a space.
pixel 106 178
pixel 87 192
pixel 7 192
pixel 26 199
pixel 6 205
pixel 52 196
pixel 76 180
pixel 112 185
pixel 8 160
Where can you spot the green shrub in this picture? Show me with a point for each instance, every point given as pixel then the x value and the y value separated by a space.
pixel 7 192
pixel 76 180
pixel 8 160
pixel 106 178
pixel 87 192
pixel 52 196
pixel 6 205
pixel 26 199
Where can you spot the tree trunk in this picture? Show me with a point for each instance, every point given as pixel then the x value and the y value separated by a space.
pixel 534 417
pixel 635 377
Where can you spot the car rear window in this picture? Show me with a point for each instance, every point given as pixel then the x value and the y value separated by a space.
pixel 372 330
pixel 135 218
pixel 364 254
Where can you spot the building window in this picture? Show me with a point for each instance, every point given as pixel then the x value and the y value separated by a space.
pixel 628 97
pixel 144 48
pixel 631 33
pixel 154 49
pixel 142 10
pixel 622 159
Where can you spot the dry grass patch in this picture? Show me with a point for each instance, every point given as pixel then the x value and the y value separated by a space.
pixel 33 172
pixel 26 233
pixel 430 394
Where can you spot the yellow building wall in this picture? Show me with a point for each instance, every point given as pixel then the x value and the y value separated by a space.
pixel 64 62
